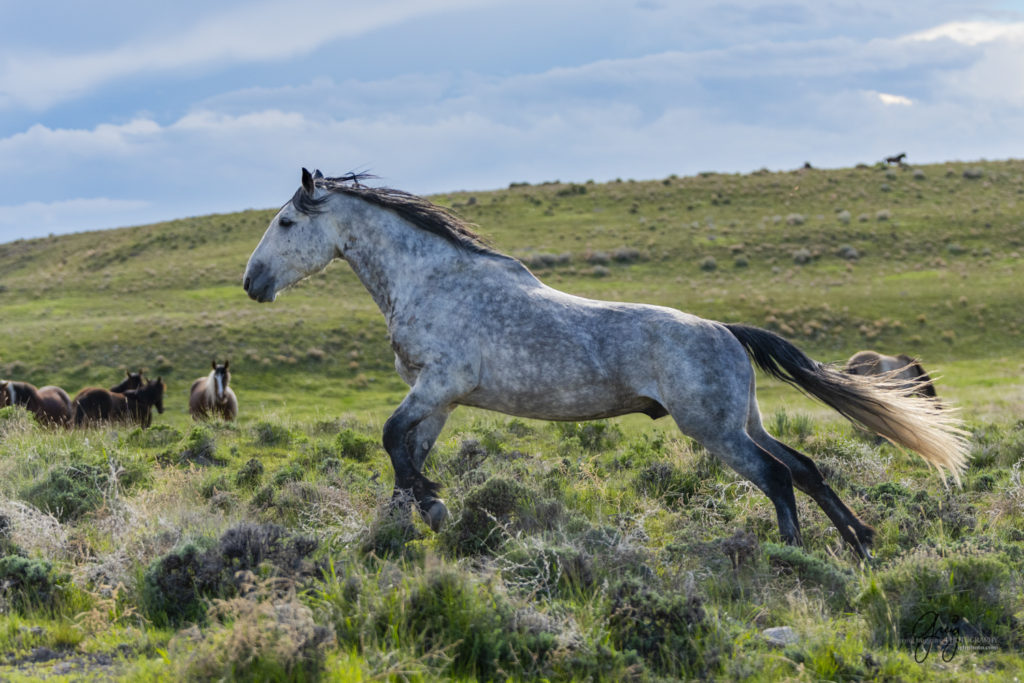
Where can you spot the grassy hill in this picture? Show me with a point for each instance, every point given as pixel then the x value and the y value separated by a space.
pixel 612 550
pixel 924 261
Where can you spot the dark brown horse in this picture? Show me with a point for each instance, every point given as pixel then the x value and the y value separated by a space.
pixel 132 380
pixel 211 395
pixel 50 404
pixel 133 406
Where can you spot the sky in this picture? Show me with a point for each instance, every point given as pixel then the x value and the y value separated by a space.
pixel 117 113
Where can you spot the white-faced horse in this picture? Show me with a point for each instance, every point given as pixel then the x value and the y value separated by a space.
pixel 473 327
pixel 211 395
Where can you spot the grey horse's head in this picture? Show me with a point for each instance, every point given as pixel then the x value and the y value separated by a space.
pixel 300 241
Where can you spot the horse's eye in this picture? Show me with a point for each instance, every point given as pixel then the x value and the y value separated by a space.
pixel 286 222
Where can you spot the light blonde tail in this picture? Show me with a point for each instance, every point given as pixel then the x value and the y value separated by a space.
pixel 878 403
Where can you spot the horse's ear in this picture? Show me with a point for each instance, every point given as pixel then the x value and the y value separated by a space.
pixel 227 363
pixel 307 182
pixel 317 174
pixel 127 372
pixel 213 364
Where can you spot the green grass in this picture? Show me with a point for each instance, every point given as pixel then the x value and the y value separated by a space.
pixel 607 551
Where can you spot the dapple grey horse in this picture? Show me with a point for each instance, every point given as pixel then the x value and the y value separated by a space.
pixel 470 326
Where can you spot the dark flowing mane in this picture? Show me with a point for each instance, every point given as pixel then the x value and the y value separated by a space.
pixel 419 211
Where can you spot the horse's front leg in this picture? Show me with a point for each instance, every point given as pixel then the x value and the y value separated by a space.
pixel 408 435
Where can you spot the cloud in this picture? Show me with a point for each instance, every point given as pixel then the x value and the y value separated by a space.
pixel 971 32
pixel 890 100
pixel 262 32
pixel 733 108
pixel 70 215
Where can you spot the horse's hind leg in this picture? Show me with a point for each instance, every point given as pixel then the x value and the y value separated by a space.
pixel 709 401
pixel 808 478
pixel 752 462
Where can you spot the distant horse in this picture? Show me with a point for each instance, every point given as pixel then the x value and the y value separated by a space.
pixel 470 326
pixel 132 380
pixel 133 406
pixel 50 404
pixel 212 395
pixel 897 159
pixel 901 368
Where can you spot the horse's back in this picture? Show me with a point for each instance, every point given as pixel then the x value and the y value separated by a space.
pixel 56 403
pixel 197 399
pixel 93 403
pixel 545 353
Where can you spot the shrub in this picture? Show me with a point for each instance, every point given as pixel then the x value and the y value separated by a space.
pixel 626 254
pixel 708 264
pixel 474 626
pixel 70 491
pixel 927 592
pixel 199 446
pixel 175 587
pixel 810 569
pixel 268 433
pixel 250 474
pixel 486 510
pixel 848 252
pixel 594 436
pixel 548 569
pixel 667 482
pixel 26 584
pixel 802 256
pixel 254 638
pixel 351 444
pixel 663 627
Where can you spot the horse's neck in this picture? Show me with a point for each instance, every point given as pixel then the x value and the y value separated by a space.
pixel 391 257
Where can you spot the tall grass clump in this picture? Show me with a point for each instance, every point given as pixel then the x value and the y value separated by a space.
pixel 971 595
pixel 261 636
pixel 668 627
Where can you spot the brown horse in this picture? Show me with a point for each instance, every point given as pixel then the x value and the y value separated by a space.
pixel 133 406
pixel 132 380
pixel 50 404
pixel 901 368
pixel 212 395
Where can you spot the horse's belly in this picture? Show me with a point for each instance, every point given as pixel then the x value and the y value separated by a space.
pixel 564 404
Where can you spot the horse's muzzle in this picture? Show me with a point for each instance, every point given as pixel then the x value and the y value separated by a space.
pixel 258 283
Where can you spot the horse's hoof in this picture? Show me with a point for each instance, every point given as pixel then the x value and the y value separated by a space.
pixel 434 513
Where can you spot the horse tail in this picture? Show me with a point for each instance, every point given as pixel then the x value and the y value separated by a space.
pixel 877 403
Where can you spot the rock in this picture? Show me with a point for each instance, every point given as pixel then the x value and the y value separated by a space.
pixel 780 636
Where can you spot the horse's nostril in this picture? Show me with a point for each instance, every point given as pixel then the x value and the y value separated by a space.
pixel 245 285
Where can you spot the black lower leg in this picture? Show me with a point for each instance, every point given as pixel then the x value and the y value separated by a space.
pixel 808 478
pixel 409 481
